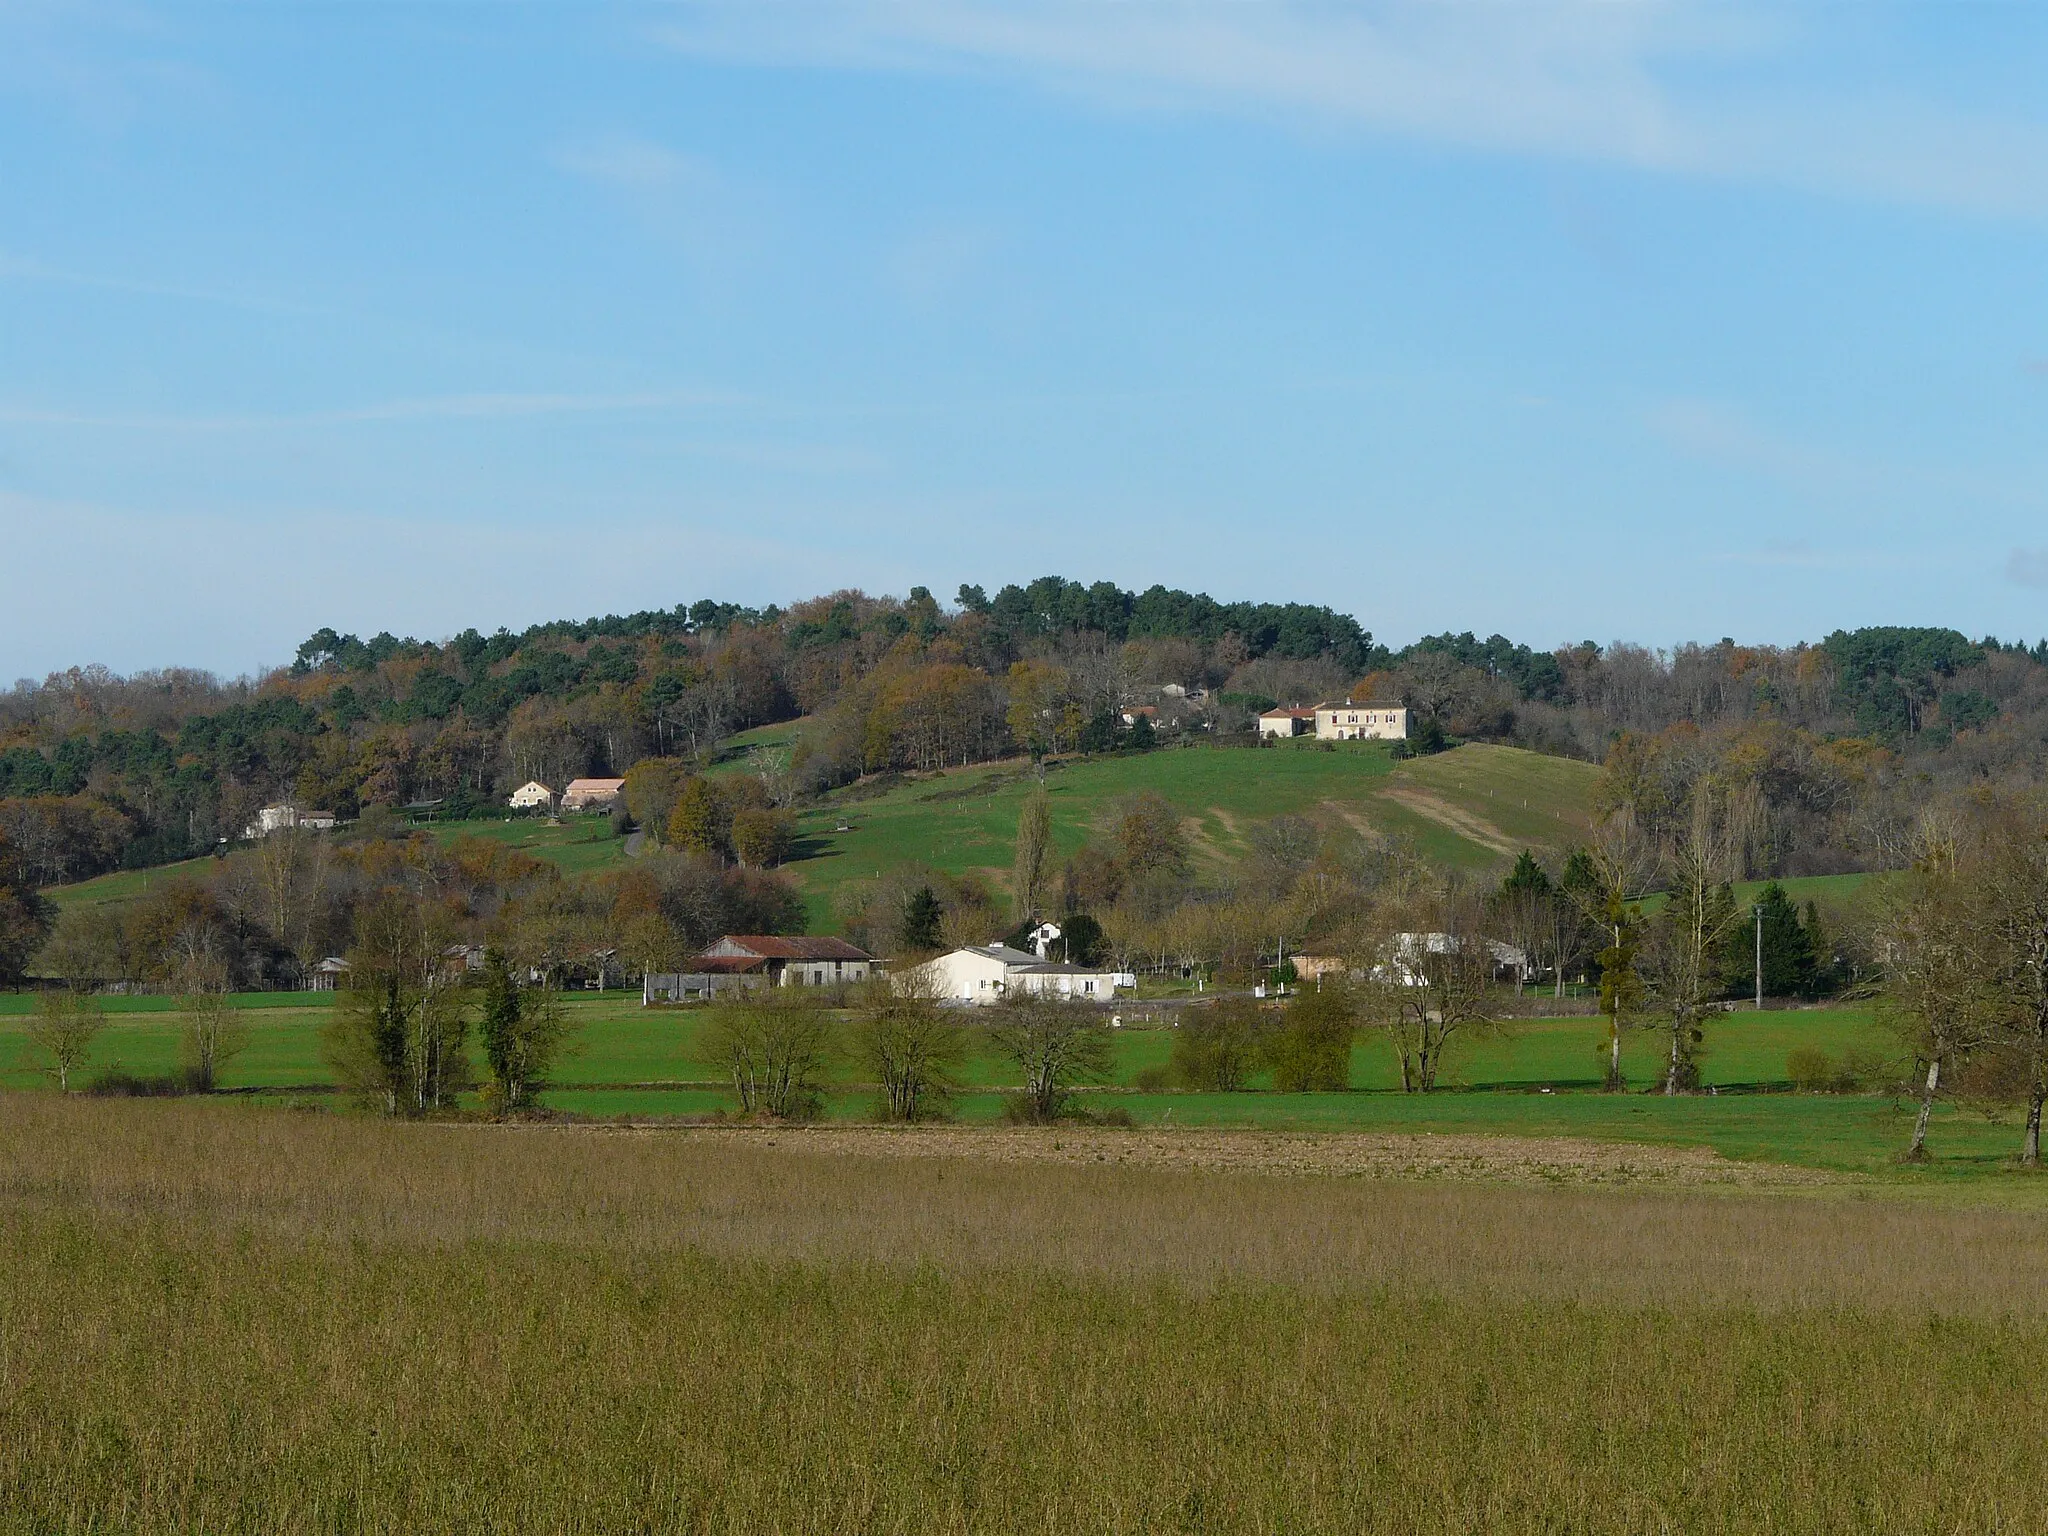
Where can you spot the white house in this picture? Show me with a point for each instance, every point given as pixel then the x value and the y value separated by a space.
pixel 1287 722
pixel 583 794
pixel 1405 967
pixel 1350 721
pixel 284 816
pixel 988 973
pixel 531 796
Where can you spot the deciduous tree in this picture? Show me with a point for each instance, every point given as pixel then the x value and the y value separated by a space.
pixel 1054 1045
pixel 64 1027
pixel 911 1044
pixel 774 1043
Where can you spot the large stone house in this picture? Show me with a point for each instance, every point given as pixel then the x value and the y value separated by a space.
pixel 1350 721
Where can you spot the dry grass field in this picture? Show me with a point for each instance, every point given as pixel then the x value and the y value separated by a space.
pixel 225 1319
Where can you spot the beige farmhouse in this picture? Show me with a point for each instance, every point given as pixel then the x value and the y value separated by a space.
pixel 1351 721
pixel 531 796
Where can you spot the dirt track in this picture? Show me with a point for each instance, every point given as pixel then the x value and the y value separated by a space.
pixel 1514 1159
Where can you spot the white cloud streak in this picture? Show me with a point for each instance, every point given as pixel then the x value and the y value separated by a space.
pixel 473 407
pixel 1676 87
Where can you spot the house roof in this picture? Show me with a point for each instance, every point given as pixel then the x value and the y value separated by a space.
pixel 1288 714
pixel 775 946
pixel 591 784
pixel 1004 953
pixel 1362 704
pixel 1023 961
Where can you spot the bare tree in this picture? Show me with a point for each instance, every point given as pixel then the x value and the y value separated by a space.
pixel 1682 962
pixel 1428 967
pixel 910 1043
pixel 774 1044
pixel 2010 878
pixel 1055 1045
pixel 1936 992
pixel 212 1032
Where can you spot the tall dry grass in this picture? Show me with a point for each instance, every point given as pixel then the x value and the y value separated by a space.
pixel 225 1320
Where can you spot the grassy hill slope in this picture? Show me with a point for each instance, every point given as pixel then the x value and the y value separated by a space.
pixel 1470 808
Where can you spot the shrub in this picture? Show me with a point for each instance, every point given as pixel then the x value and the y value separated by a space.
pixel 1216 1047
pixel 1311 1051
pixel 116 1084
pixel 1812 1070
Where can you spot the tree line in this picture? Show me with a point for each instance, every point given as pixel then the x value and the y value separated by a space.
pixel 99 771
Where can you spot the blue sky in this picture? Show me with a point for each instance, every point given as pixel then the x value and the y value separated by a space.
pixel 1641 321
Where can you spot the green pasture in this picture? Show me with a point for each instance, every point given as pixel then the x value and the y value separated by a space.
pixel 123 885
pixel 579 845
pixel 619 1044
pixel 1470 808
pixel 1826 890
pixel 632 1062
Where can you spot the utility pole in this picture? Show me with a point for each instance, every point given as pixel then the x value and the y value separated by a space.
pixel 1758 912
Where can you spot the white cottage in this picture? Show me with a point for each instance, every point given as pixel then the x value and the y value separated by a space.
pixel 988 973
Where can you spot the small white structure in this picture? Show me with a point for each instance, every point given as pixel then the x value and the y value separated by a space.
pixel 586 794
pixel 1405 968
pixel 1360 722
pixel 531 796
pixel 327 974
pixel 987 973
pixel 285 817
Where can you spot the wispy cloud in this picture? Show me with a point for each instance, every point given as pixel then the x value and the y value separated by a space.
pixel 471 407
pixel 22 269
pixel 2027 568
pixel 1677 86
pixel 680 198
pixel 625 160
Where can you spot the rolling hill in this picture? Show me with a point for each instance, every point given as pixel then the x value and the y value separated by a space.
pixel 1470 808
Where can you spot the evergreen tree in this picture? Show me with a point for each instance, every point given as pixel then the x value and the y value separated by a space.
pixel 1788 958
pixel 1526 878
pixel 921 920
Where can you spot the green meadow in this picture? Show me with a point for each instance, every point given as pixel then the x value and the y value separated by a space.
pixel 1531 1078
pixel 1470 808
